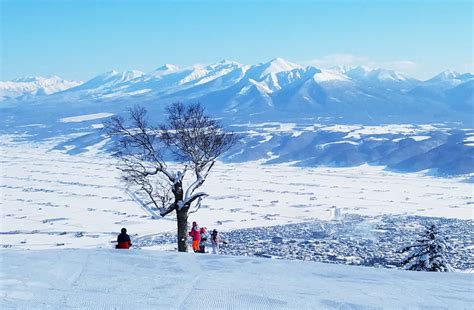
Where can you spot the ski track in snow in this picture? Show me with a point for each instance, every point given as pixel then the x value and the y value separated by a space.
pixel 84 191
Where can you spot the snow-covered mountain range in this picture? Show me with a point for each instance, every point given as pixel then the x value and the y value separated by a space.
pixel 24 88
pixel 285 112
pixel 270 90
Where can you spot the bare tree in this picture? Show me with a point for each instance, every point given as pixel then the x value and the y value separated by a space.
pixel 195 140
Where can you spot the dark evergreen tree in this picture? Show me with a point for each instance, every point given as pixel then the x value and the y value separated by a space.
pixel 428 253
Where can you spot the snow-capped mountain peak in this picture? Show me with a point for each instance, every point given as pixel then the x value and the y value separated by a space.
pixel 164 70
pixel 373 75
pixel 446 75
pixel 278 65
pixel 37 79
pixel 224 64
pixel 361 70
pixel 167 67
pixel 108 80
pixel 119 76
pixel 197 71
pixel 388 75
pixel 330 75
pixel 126 76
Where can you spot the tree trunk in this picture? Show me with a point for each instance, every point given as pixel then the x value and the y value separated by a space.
pixel 182 217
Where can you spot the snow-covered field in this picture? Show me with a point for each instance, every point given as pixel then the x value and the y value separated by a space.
pixel 52 199
pixel 110 279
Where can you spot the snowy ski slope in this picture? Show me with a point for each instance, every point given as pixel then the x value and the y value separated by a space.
pixel 134 279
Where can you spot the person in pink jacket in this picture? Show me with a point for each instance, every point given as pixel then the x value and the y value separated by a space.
pixel 195 233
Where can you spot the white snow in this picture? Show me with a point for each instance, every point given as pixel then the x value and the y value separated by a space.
pixel 272 126
pixel 470 138
pixel 162 71
pixel 419 138
pixel 133 279
pixel 197 72
pixel 353 135
pixel 34 86
pixel 339 142
pixel 279 65
pixel 218 70
pixel 266 138
pixel 383 74
pixel 261 87
pixel 114 77
pixel 381 129
pixel 372 74
pixel 51 199
pixel 330 75
pixel 85 117
pixel 447 75
pixel 288 82
pixel 376 139
pixel 82 193
pixel 131 93
pixel 33 125
pixel 169 67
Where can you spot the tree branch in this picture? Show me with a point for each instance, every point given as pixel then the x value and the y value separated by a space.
pixel 168 210
pixel 189 201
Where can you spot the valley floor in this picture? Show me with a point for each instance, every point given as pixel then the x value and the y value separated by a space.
pixel 50 199
pixel 139 279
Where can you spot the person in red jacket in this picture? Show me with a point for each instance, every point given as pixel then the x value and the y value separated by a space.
pixel 203 242
pixel 123 240
pixel 196 234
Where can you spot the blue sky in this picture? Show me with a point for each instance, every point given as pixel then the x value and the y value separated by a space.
pixel 80 39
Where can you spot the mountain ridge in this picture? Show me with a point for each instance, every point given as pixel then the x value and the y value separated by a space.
pixel 273 89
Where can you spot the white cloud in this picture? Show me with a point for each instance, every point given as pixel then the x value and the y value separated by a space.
pixel 464 67
pixel 401 65
pixel 339 60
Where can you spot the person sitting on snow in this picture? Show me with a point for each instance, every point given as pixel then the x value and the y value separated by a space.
pixel 203 242
pixel 195 233
pixel 123 240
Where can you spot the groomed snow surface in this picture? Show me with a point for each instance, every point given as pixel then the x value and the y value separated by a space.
pixel 134 279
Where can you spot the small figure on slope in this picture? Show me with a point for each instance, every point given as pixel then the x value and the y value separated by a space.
pixel 203 242
pixel 215 241
pixel 123 240
pixel 428 254
pixel 195 233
